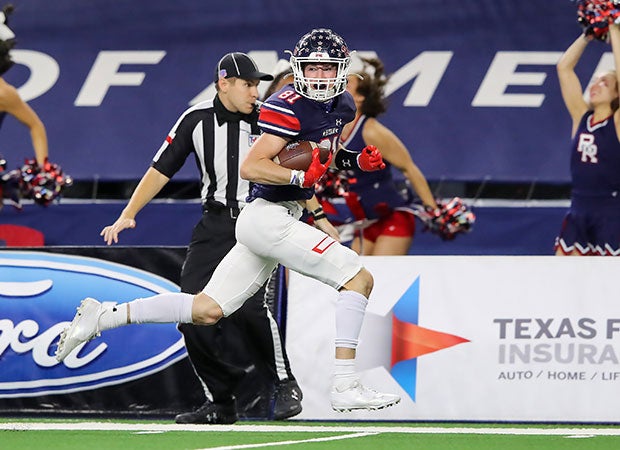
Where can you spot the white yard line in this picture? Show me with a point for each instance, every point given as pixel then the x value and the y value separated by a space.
pixel 412 429
pixel 303 441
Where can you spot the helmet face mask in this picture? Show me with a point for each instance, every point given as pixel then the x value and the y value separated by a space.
pixel 321 47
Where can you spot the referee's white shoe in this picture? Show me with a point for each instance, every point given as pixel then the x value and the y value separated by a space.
pixel 358 396
pixel 83 327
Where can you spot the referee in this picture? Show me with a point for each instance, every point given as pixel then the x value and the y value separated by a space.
pixel 219 133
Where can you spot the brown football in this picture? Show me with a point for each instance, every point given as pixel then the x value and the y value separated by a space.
pixel 297 155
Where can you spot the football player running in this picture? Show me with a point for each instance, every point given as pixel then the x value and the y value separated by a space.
pixel 314 108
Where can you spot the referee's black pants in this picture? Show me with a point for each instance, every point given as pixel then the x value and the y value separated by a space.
pixel 223 353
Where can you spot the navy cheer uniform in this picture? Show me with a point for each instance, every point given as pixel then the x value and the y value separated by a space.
pixel 353 195
pixel 592 225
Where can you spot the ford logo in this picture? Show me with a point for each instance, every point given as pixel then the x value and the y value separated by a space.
pixel 39 294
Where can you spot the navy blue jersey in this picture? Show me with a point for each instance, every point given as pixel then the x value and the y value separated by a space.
pixel 595 159
pixel 289 115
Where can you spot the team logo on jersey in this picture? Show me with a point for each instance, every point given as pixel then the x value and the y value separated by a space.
pixel 39 293
pixel 409 341
pixel 587 148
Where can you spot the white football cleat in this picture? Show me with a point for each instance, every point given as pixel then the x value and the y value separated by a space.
pixel 83 327
pixel 358 396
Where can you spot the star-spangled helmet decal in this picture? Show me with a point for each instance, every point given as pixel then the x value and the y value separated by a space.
pixel 323 46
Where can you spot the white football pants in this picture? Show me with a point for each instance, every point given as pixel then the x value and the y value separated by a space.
pixel 270 233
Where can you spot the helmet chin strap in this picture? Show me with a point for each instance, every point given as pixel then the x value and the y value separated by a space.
pixel 327 93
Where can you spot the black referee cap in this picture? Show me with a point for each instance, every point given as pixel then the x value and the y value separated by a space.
pixel 239 65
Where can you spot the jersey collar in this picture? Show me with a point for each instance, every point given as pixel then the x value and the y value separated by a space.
pixel 223 115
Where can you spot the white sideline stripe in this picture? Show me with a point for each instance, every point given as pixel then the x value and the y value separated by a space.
pixel 112 426
pixel 304 441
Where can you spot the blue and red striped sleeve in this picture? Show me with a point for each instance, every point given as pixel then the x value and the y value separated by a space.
pixel 280 121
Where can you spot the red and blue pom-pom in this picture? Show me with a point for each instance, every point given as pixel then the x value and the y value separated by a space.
pixel 40 184
pixel 451 218
pixel 43 184
pixel 595 16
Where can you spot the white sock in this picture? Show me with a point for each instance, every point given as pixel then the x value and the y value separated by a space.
pixel 113 316
pixel 170 307
pixel 350 310
pixel 344 373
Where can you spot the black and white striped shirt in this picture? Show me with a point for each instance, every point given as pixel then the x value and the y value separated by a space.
pixel 219 140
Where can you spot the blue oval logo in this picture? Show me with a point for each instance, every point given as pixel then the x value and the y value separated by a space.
pixel 39 294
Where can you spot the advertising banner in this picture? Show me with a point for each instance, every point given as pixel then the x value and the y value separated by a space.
pixel 506 230
pixel 134 370
pixel 473 91
pixel 471 338
pixel 39 293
